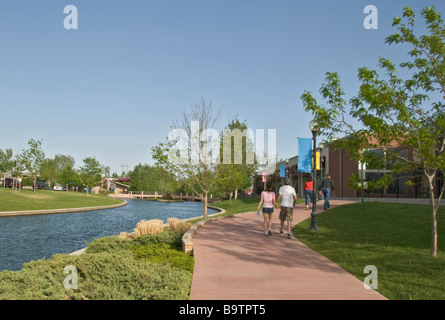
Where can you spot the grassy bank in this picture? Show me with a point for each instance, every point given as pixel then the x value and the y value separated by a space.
pixel 25 200
pixel 395 238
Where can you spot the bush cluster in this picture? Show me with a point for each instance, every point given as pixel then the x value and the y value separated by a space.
pixel 150 267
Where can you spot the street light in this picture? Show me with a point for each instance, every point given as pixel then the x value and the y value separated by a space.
pixel 314 129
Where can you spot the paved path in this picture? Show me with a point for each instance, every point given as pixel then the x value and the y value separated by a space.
pixel 235 261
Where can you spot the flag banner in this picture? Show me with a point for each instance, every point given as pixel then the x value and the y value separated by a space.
pixel 282 171
pixel 304 155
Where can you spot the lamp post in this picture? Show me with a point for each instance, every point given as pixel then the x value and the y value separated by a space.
pixel 314 129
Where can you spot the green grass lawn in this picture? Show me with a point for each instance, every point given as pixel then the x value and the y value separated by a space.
pixel 24 200
pixel 241 205
pixel 395 238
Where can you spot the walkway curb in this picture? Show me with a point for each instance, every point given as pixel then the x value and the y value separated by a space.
pixel 187 243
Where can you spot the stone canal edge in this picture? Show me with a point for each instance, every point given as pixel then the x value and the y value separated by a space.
pixel 56 211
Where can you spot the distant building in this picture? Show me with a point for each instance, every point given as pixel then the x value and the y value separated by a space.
pixel 113 185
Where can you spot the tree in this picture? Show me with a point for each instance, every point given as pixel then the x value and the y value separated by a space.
pixel 69 176
pixel 91 172
pixel 48 171
pixel 19 167
pixel 237 172
pixel 394 111
pixel 143 178
pixel 191 151
pixel 6 163
pixel 63 161
pixel 33 157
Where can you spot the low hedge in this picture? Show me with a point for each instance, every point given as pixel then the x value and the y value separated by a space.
pixel 150 267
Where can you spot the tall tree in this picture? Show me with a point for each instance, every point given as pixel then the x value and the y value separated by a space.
pixel 238 170
pixel 6 163
pixel 91 172
pixel 48 171
pixel 33 157
pixel 393 111
pixel 192 150
pixel 63 161
pixel 68 176
pixel 143 178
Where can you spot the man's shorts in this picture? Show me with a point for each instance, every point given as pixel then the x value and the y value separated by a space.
pixel 286 213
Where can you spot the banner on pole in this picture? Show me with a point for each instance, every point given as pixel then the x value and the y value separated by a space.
pixel 304 155
pixel 282 171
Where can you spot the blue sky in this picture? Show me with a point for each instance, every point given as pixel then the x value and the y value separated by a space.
pixel 112 88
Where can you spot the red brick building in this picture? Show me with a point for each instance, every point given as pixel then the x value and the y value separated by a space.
pixel 340 166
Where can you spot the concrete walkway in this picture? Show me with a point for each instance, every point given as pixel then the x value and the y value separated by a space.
pixel 235 261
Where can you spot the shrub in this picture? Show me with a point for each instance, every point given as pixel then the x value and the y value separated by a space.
pixel 172 238
pixel 167 196
pixel 163 252
pixel 151 266
pixel 177 225
pixel 103 275
pixel 148 227
pixel 108 244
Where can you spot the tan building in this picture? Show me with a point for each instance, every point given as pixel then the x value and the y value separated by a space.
pixel 112 184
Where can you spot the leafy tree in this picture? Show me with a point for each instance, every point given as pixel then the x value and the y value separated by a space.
pixel 48 171
pixel 69 176
pixel 393 111
pixel 143 178
pixel 237 173
pixel 165 180
pixel 33 157
pixel 19 167
pixel 91 172
pixel 6 162
pixel 62 161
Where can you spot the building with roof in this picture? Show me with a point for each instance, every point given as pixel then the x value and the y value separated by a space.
pixel 341 167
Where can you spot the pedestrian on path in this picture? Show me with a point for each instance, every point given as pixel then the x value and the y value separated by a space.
pixel 327 185
pixel 289 196
pixel 268 200
pixel 309 192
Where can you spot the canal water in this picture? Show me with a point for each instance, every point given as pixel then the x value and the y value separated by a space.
pixel 27 238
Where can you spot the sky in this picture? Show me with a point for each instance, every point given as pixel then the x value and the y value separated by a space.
pixel 112 88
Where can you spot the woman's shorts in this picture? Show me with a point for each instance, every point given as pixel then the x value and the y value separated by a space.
pixel 267 210
pixel 286 213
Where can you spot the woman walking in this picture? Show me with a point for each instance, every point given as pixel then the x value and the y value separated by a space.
pixel 309 192
pixel 268 198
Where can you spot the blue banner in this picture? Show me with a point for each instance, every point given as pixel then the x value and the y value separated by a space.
pixel 282 171
pixel 304 155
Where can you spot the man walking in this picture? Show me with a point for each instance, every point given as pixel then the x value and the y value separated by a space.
pixel 327 185
pixel 288 195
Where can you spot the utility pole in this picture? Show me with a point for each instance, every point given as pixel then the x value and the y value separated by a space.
pixel 124 166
